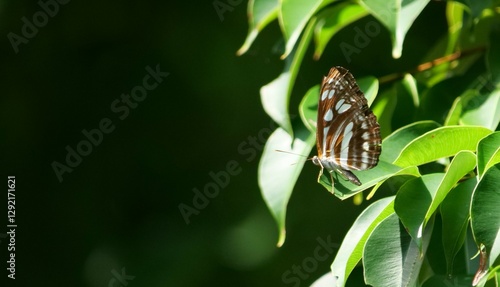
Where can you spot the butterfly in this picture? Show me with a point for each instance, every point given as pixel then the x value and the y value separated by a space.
pixel 347 132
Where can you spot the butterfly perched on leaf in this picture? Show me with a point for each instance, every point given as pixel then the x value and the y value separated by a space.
pixel 347 131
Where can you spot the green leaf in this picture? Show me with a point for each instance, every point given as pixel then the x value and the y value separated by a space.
pixel 436 102
pixel 462 164
pixel 439 143
pixel 345 189
pixel 397 16
pixel 293 17
pixel 383 108
pixel 413 201
pixel 454 16
pixel 485 218
pixel 278 171
pixel 411 170
pixel 455 216
pixel 332 20
pixel 488 153
pixel 391 257
pixel 407 101
pixel 308 108
pixel 418 199
pixel 351 250
pixel 493 57
pixel 369 86
pixel 483 110
pixel 327 280
pixel 446 281
pixel 275 96
pixel 395 142
pixel 410 84
pixel 453 117
pixel 260 13
pixel 475 8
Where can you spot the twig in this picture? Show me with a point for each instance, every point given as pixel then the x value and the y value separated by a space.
pixel 433 63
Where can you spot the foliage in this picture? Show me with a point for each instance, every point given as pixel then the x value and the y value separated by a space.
pixel 440 153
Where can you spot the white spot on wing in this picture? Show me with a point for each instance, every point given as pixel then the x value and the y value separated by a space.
pixel 324 94
pixel 344 148
pixel 329 115
pixel 343 108
pixel 331 93
pixel 339 103
pixel 366 146
pixel 325 133
pixel 364 155
pixel 365 136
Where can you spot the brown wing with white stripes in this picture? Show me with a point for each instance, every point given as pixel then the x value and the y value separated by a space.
pixel 347 130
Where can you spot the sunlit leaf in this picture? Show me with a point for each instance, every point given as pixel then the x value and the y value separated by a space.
pixel 395 142
pixel 410 170
pixel 293 17
pixel 345 189
pixel 383 108
pixel 260 13
pixel 275 96
pixel 435 144
pixel 485 218
pixel 418 199
pixel 391 257
pixel 488 153
pixel 413 200
pixel 332 20
pixel 326 280
pixel 397 17
pixel 351 250
pixel 308 108
pixel 455 215
pixel 279 171
pixel 483 110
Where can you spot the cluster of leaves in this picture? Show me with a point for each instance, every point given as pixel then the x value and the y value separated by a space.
pixel 444 165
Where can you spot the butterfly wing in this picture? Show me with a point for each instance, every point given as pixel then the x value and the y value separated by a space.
pixel 347 130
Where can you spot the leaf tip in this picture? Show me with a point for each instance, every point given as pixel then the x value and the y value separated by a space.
pixel 282 237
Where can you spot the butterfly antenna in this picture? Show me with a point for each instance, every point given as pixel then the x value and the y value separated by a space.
pixel 284 151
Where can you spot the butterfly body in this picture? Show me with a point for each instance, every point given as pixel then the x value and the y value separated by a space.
pixel 347 135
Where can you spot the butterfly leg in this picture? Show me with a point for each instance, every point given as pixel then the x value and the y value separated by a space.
pixel 320 171
pixel 331 177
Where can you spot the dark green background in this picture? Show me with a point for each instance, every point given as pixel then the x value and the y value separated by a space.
pixel 119 208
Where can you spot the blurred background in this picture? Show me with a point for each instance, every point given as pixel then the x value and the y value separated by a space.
pixel 126 212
